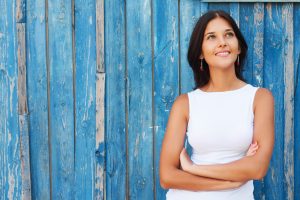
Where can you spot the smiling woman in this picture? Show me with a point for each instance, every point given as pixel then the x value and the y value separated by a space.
pixel 229 123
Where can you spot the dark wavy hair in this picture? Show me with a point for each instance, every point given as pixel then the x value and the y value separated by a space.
pixel 195 47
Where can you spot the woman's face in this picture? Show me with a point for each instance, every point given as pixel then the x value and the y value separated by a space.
pixel 220 46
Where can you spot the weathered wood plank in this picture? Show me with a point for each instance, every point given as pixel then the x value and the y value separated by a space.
pixel 100 177
pixel 288 65
pixel 85 98
pixel 257 53
pixel 219 6
pixel 297 100
pixel 23 110
pixel 37 99
pixel 274 80
pixel 139 99
pixel 61 99
pixel 166 74
pixel 115 123
pixel 235 12
pixel 100 107
pixel 190 11
pixel 10 165
pixel 100 35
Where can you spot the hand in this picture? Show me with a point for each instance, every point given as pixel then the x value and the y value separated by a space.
pixel 185 161
pixel 252 149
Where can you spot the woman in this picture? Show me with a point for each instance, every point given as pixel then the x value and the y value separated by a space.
pixel 229 123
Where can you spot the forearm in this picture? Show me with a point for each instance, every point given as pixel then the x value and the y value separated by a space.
pixel 244 169
pixel 179 179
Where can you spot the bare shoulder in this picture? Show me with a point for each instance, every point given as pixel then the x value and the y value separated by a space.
pixel 263 98
pixel 181 105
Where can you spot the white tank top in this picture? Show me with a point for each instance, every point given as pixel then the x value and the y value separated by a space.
pixel 220 130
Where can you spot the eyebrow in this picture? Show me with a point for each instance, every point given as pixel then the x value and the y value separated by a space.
pixel 214 32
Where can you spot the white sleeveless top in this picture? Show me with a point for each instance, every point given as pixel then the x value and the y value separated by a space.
pixel 220 130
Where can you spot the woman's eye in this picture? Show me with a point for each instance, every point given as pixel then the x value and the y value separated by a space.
pixel 229 34
pixel 210 37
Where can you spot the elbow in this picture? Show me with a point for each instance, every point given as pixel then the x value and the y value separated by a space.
pixel 164 181
pixel 260 173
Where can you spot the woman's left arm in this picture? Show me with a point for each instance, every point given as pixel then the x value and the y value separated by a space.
pixel 249 167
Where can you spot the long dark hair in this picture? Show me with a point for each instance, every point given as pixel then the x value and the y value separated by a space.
pixel 195 47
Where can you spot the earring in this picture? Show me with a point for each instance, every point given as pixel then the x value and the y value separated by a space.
pixel 201 65
pixel 238 61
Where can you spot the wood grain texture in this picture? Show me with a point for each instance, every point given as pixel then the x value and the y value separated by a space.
pixel 61 99
pixel 37 98
pixel 85 98
pixel 190 11
pixel 296 24
pixel 139 99
pixel 10 162
pixel 100 177
pixel 274 81
pixel 166 74
pixel 288 64
pixel 115 114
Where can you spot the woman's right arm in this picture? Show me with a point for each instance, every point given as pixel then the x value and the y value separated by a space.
pixel 171 176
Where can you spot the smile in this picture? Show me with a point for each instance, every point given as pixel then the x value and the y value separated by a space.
pixel 223 53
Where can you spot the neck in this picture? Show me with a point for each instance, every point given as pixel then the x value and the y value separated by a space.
pixel 223 80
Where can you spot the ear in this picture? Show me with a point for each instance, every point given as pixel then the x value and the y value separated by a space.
pixel 201 56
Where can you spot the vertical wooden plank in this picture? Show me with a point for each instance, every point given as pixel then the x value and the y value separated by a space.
pixel 190 11
pixel 37 98
pixel 235 12
pixel 139 99
pixel 10 165
pixel 219 6
pixel 166 74
pixel 115 138
pixel 61 98
pixel 257 66
pixel 288 64
pixel 85 98
pixel 22 100
pixel 100 178
pixel 274 80
pixel 297 98
pixel 247 28
pixel 100 145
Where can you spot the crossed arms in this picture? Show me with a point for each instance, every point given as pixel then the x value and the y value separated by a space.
pixel 178 171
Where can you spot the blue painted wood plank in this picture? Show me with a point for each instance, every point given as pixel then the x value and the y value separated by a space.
pixel 235 12
pixel 37 99
pixel 166 74
pixel 247 29
pixel 139 99
pixel 85 98
pixel 219 6
pixel 190 11
pixel 258 66
pixel 115 123
pixel 297 98
pixel 274 80
pixel 288 65
pixel 61 99
pixel 99 176
pixel 10 165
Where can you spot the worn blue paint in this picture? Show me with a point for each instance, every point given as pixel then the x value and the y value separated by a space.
pixel 139 99
pixel 297 99
pixel 189 14
pixel 85 99
pixel 115 119
pixel 10 163
pixel 166 74
pixel 37 99
pixel 274 80
pixel 61 125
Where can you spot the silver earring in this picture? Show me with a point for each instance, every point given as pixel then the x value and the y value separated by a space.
pixel 238 61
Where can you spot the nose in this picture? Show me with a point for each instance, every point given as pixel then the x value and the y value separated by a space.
pixel 222 41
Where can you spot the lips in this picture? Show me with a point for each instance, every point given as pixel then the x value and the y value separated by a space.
pixel 223 53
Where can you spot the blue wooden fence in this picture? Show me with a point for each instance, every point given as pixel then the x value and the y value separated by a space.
pixel 86 87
